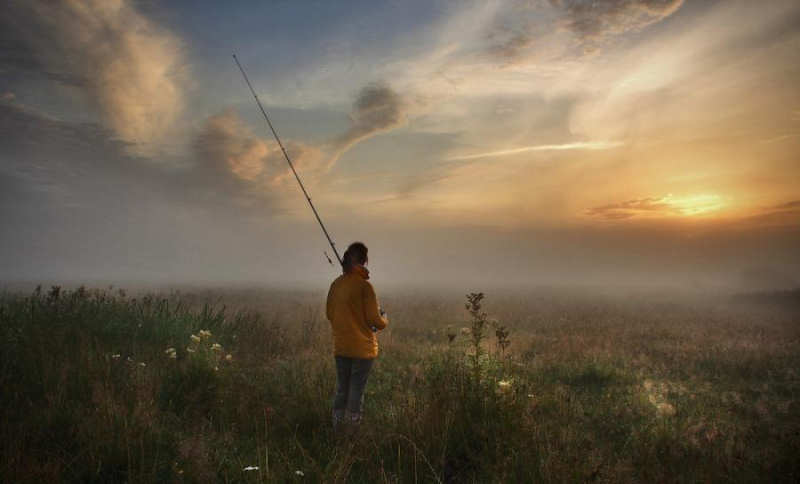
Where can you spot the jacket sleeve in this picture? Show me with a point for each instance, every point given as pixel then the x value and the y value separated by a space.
pixel 371 313
pixel 329 304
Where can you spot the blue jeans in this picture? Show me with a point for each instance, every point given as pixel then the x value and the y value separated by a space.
pixel 351 378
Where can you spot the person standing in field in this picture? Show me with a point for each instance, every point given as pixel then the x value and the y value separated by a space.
pixel 355 316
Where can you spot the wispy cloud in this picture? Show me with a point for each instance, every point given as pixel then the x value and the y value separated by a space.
pixel 580 145
pixel 226 145
pixel 377 108
pixel 596 21
pixel 780 138
pixel 659 206
pixel 125 64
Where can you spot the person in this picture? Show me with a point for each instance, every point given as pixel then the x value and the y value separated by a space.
pixel 355 316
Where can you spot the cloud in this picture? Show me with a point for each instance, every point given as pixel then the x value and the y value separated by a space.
pixel 226 145
pixel 629 208
pixel 521 30
pixel 594 21
pixel 513 47
pixel 668 205
pixel 377 108
pixel 793 205
pixel 580 145
pixel 127 66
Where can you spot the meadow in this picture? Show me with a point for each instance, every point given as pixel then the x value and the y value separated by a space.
pixel 536 386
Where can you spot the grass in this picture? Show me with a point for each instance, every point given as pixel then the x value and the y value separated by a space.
pixel 99 386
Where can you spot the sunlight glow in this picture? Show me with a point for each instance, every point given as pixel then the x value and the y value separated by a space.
pixel 695 204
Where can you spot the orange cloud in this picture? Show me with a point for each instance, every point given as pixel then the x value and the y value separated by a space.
pixel 228 144
pixel 668 205
pixel 126 65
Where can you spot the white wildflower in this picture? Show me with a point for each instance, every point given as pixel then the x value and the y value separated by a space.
pixel 665 409
pixel 116 356
pixel 229 357
pixel 298 472
pixel 195 338
pixel 142 364
pixel 204 333
pixel 190 349
pixel 465 330
pixel 504 385
pixel 250 468
pixel 216 347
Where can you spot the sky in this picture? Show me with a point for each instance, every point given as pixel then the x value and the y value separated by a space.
pixel 467 143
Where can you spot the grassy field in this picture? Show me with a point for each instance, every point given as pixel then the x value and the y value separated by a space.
pixel 548 386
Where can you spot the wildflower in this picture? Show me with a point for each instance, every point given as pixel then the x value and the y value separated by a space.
pixel 171 353
pixel 298 472
pixel 190 349
pixel 204 333
pixel 665 409
pixel 465 330
pixel 504 385
pixel 229 357
pixel 216 347
pixel 142 364
pixel 195 338
pixel 116 356
pixel 250 468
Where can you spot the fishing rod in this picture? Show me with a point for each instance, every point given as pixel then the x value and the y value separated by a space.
pixel 291 165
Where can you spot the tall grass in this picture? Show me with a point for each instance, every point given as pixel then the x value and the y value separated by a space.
pixel 99 386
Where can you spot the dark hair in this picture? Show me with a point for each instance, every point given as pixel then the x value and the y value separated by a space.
pixel 356 253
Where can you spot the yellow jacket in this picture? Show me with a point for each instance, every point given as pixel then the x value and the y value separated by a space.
pixel 352 309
